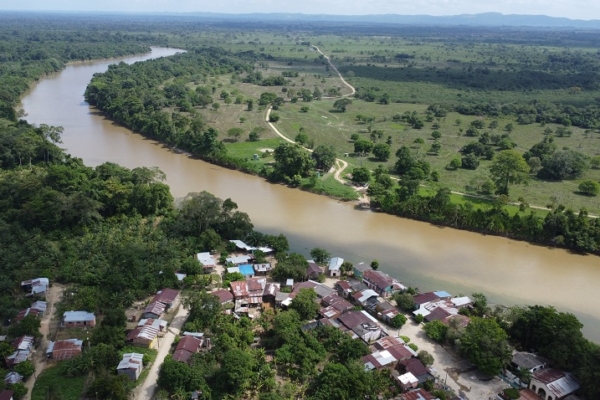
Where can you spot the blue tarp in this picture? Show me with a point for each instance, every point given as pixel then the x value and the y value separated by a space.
pixel 246 269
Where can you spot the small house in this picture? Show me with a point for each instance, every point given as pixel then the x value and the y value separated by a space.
pixel 256 289
pixel 166 297
pixel 422 298
pixel 270 292
pixel 143 336
pixel 12 378
pixel 239 289
pixel 364 296
pixel 159 324
pixel 187 346
pixel 382 283
pixel 37 286
pixel 417 394
pixel 359 269
pixel 208 262
pixel 154 310
pixel 64 349
pixel 361 324
pixel 238 260
pixel 313 270
pixel 131 365
pixel 78 319
pixel 335 265
pixel 262 269
pixel 344 289
pixel 416 367
pixel 553 384
pixel 224 295
pixel 407 381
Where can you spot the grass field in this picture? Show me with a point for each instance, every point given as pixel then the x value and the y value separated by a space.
pixel 53 380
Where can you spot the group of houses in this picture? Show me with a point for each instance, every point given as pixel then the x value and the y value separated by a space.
pixel 150 326
pixel 441 306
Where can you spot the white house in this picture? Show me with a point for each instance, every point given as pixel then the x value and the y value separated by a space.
pixel 335 265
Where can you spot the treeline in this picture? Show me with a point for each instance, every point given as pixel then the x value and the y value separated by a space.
pixel 27 53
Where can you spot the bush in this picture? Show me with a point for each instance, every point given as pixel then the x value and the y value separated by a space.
pixel 398 321
pixel 425 358
pixel 274 117
pixel 406 339
pixel 413 346
pixel 589 188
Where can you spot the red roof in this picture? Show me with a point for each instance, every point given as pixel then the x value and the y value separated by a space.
pixel 354 318
pixel 548 375
pixel 415 367
pixel 166 296
pixel 223 295
pixel 378 278
pixel 400 352
pixel 344 285
pixel 6 395
pixel 182 355
pixel 239 288
pixel 425 298
pixel 437 314
pixel 189 343
pixel 418 394
pixel 387 342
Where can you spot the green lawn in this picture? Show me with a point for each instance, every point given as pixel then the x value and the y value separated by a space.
pixel 54 380
pixel 330 186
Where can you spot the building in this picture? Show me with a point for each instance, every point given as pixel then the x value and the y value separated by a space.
pixel 423 298
pixel 23 346
pixel 187 346
pixel 382 283
pixel 64 349
pixel 166 297
pixel 270 293
pixel 335 265
pixel 313 270
pixel 143 336
pixel 407 381
pixel 553 384
pixel 224 295
pixel 238 260
pixel 239 289
pixel 247 270
pixel 262 269
pixel 365 296
pixel 208 262
pixel 256 289
pixel 359 269
pixel 37 286
pixel 344 289
pixel 159 324
pixel 416 367
pixel 131 365
pixel 78 319
pixel 527 361
pixel 13 377
pixel 417 394
pixel 361 324
pixel 250 249
pixel 6 395
pixel 154 310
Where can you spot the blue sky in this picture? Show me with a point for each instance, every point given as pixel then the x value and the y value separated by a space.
pixel 578 9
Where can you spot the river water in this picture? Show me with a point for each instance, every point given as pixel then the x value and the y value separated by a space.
pixel 419 254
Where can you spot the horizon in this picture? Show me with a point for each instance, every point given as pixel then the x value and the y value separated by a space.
pixel 575 9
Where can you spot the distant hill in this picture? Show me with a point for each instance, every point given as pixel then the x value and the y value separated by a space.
pixel 486 19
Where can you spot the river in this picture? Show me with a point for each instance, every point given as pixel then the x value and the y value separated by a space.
pixel 419 254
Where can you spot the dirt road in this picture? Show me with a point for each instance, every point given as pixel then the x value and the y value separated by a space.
pixel 53 296
pixel 148 388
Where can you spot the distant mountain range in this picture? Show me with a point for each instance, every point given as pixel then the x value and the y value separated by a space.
pixel 485 19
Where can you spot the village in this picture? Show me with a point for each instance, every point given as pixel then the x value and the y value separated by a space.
pixel 356 299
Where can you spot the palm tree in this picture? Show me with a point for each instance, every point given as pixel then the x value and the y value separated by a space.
pixel 523 374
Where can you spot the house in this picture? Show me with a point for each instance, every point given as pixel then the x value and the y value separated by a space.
pixel 23 347
pixel 437 314
pixel 159 324
pixel 238 260
pixel 364 296
pixel 143 336
pixel 553 384
pixel 239 289
pixel 262 269
pixel 344 289
pixel 417 394
pixel 360 269
pixel 23 343
pixel 187 346
pixel 443 295
pixel 460 302
pixel 13 377
pixel 313 270
pixel 78 319
pixel 37 309
pixel 246 248
pixel 6 395
pixel 270 292
pixel 407 381
pixel 379 360
pixel 166 297
pixel 256 288
pixel 382 283
pixel 247 270
pixel 131 365
pixel 209 263
pixel 233 270
pixel 224 295
pixel 416 367
pixel 338 302
pixel 321 290
pixel 38 286
pixel 385 311
pixel 154 310
pixel 527 361
pixel 281 299
pixel 423 298
pixel 64 349
pixel 388 352
pixel 335 265
pixel 361 324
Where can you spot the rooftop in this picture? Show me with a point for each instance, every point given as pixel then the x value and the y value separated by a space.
pixel 6 394
pixel 238 259
pixel 246 269
pixel 206 259
pixel 78 316
pixel 166 296
pixel 189 343
pixel 131 361
pixel 425 298
pixel 224 295
pixel 155 308
pixel 335 263
pixel 558 382
pixel 528 360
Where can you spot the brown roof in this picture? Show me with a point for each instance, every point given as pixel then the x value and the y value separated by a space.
pixel 425 298
pixel 354 318
pixel 6 395
pixel 344 285
pixel 528 394
pixel 166 296
pixel 437 314
pixel 387 342
pixel 239 289
pixel 313 268
pixel 378 278
pixel 134 333
pixel 400 352
pixel 189 343
pixel 548 375
pixel 182 355
pixel 223 295
pixel 415 367
pixel 256 286
pixel 29 311
pixel 155 307
pixel 418 394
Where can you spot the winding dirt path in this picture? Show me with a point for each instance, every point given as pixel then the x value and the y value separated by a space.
pixel 352 88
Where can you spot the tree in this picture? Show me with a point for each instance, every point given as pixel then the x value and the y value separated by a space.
pixel 346 267
pixel 324 157
pixel 566 164
pixel 232 277
pixel 405 160
pixel 436 330
pixel 301 138
pixel 361 175
pixel 436 147
pixel 30 326
pixel 436 135
pixel 25 368
pixel 595 162
pixel 470 161
pixel 382 151
pixel 292 266
pixel 237 371
pixel 274 117
pixel 405 301
pixel 508 167
pixel 485 345
pixel 375 265
pixel 455 163
pixel 425 358
pixel 292 160
pixel 305 304
pixel 321 256
pixel 235 133
pixel 363 146
pixel 589 187
pixel 342 104
pixel 398 321
pixel 204 308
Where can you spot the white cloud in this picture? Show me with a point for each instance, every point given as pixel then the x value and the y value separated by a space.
pixel 579 9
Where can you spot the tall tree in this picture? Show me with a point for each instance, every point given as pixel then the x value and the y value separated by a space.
pixel 508 167
pixel 485 345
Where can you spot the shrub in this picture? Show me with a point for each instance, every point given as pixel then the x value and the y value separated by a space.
pixel 589 188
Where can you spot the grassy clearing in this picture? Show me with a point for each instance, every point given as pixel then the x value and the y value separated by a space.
pixel 53 380
pixel 330 186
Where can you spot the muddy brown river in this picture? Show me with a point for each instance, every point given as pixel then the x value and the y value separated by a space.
pixel 419 254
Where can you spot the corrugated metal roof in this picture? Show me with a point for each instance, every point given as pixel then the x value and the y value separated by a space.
pixel 558 382
pixel 206 259
pixel 335 263
pixel 131 361
pixel 78 316
pixel 238 259
pixel 155 308
pixel 13 377
pixel 246 269
pixel 166 296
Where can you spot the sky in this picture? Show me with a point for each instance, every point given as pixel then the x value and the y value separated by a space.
pixel 575 9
